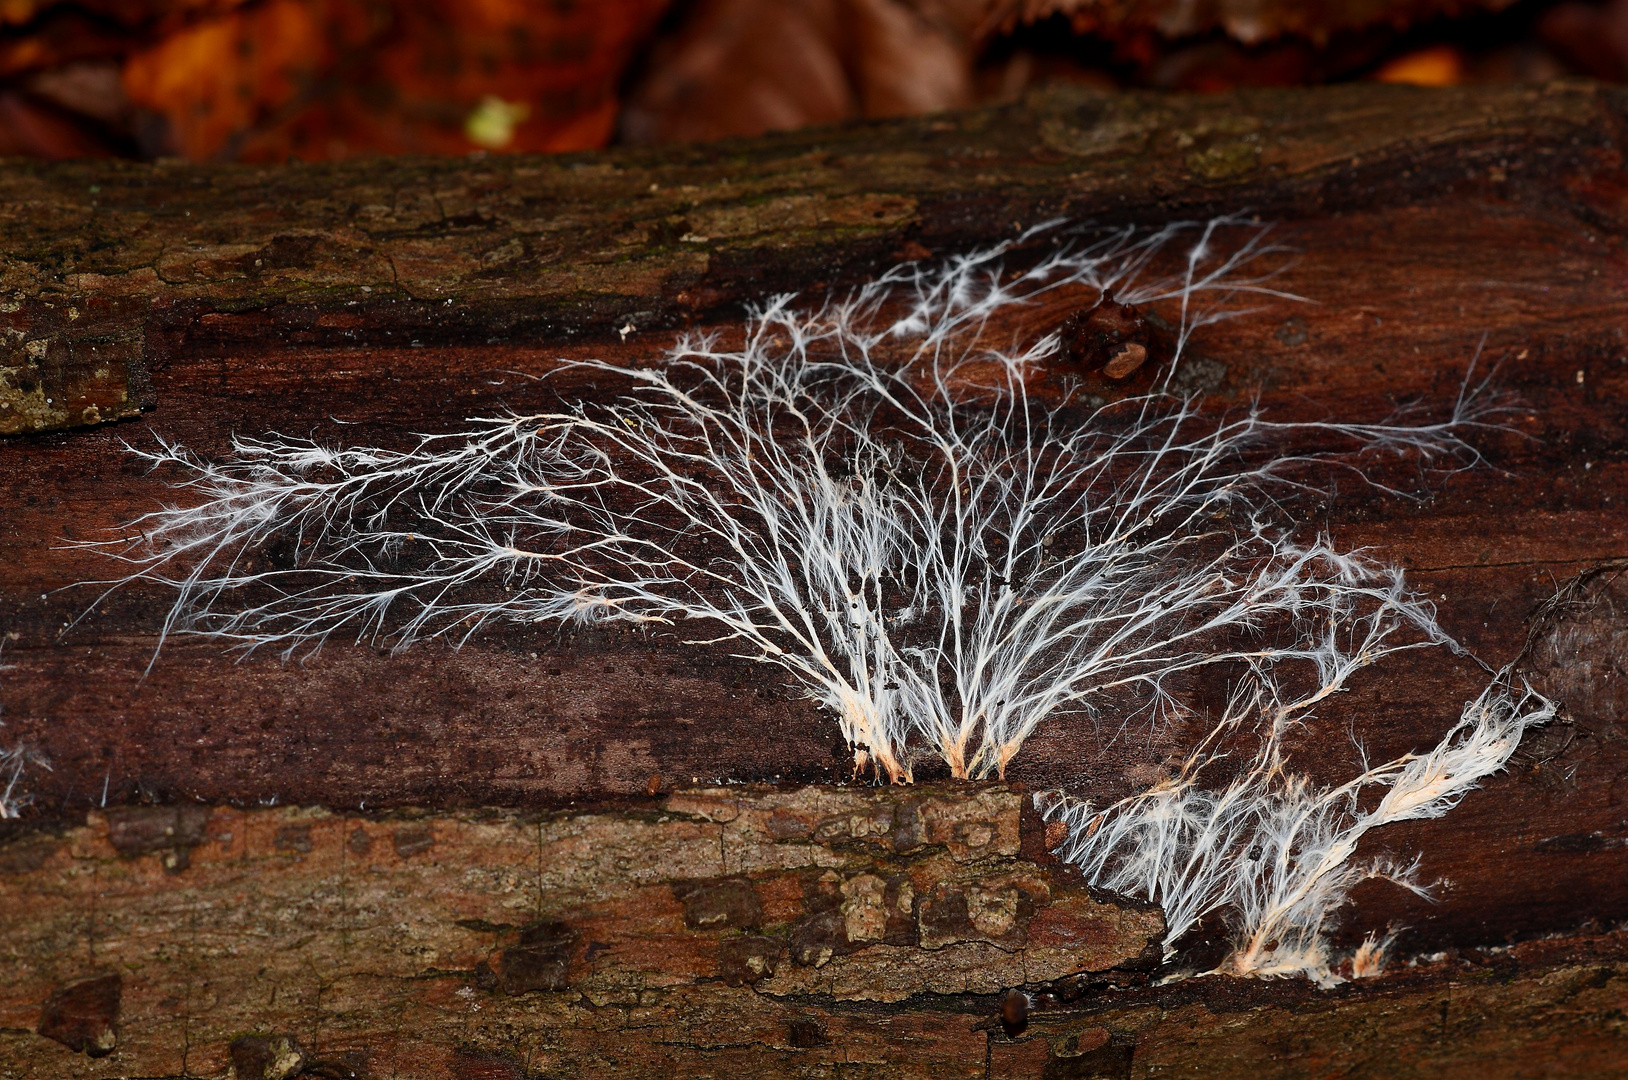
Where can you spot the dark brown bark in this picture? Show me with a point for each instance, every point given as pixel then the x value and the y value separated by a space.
pixel 400 296
pixel 717 932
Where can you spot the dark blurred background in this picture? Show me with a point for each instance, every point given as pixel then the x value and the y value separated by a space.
pixel 270 80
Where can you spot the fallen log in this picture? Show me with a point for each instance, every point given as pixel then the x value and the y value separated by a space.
pixel 404 296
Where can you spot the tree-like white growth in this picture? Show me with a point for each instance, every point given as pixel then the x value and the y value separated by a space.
pixel 1371 955
pixel 1270 847
pixel 13 762
pixel 855 494
pixel 868 496
pixel 12 798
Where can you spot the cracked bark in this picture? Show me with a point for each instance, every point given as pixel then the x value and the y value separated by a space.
pixel 400 296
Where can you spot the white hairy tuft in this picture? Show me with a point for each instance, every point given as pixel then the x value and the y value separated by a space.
pixel 869 497
pixel 13 761
pixel 1271 848
pixel 1371 957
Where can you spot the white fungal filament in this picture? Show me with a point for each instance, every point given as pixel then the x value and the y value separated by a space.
pixel 867 496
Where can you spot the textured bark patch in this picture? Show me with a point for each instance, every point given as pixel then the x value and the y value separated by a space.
pixel 26 853
pixel 140 830
pixel 1578 844
pixel 83 1016
pixel 69 363
pixel 267 1057
pixel 413 840
pixel 555 996
pixel 730 904
pixel 746 961
pixel 1110 1060
pixel 997 913
pixel 469 1063
pixel 294 838
pixel 1578 654
pixel 816 939
pixel 541 961
pixel 805 1033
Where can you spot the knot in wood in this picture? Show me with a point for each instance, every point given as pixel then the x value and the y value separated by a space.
pixel 1111 338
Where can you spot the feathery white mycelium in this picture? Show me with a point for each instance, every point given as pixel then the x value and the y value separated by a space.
pixel 867 496
pixel 1272 848
pixel 12 797
pixel 13 762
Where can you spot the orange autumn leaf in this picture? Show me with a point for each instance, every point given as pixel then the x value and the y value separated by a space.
pixel 328 79
pixel 216 81
pixel 1440 65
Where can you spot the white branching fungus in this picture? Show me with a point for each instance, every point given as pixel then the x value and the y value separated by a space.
pixel 1370 957
pixel 13 761
pixel 1271 848
pixel 12 797
pixel 868 496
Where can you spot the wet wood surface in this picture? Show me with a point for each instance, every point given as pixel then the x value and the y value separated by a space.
pixel 373 300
